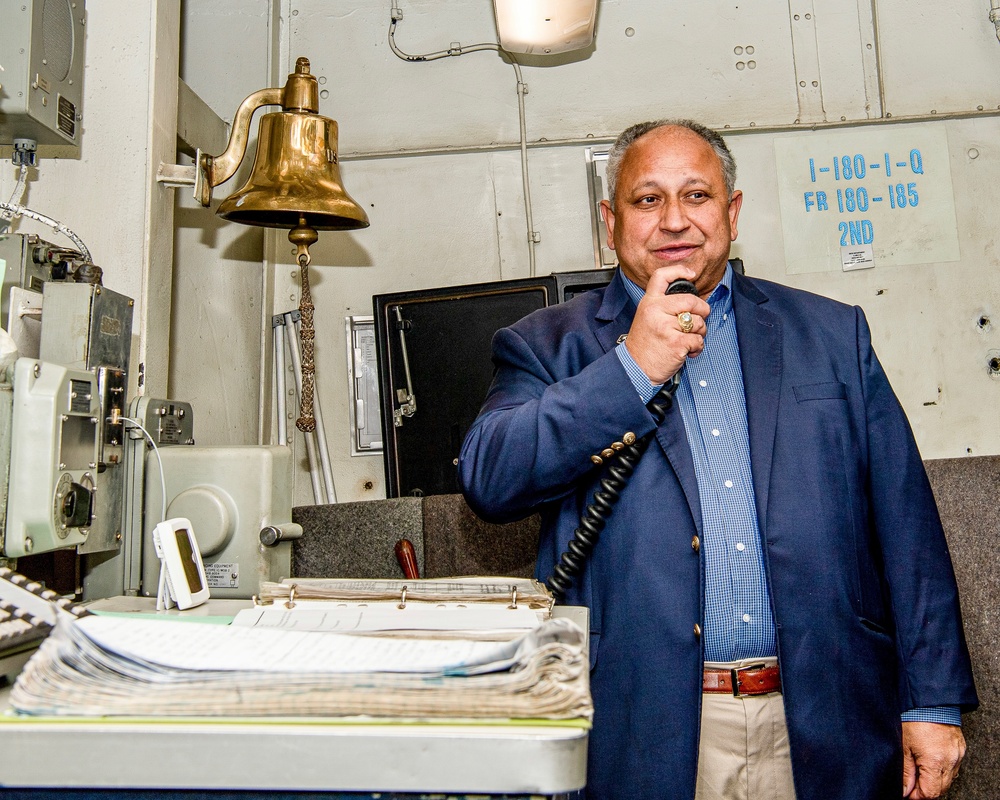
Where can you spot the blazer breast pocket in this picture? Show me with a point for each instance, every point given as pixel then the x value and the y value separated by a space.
pixel 831 390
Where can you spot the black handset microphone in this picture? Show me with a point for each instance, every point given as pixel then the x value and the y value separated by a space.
pixel 615 478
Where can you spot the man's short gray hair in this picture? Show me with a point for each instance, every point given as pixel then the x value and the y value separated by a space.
pixel 617 152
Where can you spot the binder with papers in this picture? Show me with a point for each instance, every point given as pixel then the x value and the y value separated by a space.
pixel 512 591
pixel 481 608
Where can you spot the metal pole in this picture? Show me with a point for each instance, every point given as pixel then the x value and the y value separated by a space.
pixel 278 322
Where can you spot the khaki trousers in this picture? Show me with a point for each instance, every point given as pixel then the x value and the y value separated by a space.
pixel 743 753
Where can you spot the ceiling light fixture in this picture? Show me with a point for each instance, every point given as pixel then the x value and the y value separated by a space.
pixel 545 27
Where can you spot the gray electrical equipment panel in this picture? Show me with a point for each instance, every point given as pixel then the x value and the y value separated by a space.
pixel 239 502
pixel 86 326
pixel 28 262
pixel 41 71
pixel 62 438
pixel 89 327
pixel 55 439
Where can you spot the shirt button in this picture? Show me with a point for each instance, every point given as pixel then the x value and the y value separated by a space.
pixel 740 546
pixel 746 617
pixel 729 484
pixel 703 383
pixel 725 317
pixel 715 431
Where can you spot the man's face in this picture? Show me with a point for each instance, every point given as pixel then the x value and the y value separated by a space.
pixel 672 208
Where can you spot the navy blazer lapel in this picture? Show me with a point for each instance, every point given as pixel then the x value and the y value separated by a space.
pixel 614 317
pixel 673 439
pixel 760 342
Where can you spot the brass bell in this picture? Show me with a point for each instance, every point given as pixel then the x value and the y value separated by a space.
pixel 296 172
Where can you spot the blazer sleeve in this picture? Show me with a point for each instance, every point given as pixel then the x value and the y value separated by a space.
pixel 934 664
pixel 541 423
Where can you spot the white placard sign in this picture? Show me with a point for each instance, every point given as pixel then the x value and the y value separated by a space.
pixel 885 191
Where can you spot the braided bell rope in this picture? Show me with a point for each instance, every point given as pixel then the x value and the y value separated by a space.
pixel 306 421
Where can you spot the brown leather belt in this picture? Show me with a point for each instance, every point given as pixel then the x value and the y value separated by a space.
pixel 755 679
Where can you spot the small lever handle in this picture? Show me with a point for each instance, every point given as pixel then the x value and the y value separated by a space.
pixel 407 558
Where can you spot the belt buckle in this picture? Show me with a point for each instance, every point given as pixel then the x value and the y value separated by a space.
pixel 734 676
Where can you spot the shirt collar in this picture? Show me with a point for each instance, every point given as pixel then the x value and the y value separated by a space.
pixel 720 299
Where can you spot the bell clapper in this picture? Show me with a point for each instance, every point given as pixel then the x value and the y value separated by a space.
pixel 302 236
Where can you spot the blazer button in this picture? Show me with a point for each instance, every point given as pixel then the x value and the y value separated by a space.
pixel 695 543
pixel 697 630
pixel 607 452
pixel 617 446
pixel 629 438
pixel 597 459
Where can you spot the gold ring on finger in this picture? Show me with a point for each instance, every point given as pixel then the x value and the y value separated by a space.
pixel 685 321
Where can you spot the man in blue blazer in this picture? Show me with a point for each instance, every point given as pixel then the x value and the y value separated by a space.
pixel 773 609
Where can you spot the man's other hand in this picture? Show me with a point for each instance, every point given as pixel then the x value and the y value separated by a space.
pixel 931 756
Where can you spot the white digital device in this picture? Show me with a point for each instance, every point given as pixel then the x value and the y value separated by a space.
pixel 182 572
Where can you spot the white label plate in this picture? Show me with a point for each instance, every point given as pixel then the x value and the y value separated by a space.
pixel 223 575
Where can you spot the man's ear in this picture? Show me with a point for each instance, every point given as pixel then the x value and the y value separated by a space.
pixel 608 215
pixel 735 204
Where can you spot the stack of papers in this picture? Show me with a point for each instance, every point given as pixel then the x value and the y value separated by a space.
pixel 114 666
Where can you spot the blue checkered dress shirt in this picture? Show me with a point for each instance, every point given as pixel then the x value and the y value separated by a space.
pixel 738 619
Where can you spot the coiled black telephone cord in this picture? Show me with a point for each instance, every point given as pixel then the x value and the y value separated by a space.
pixel 613 482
